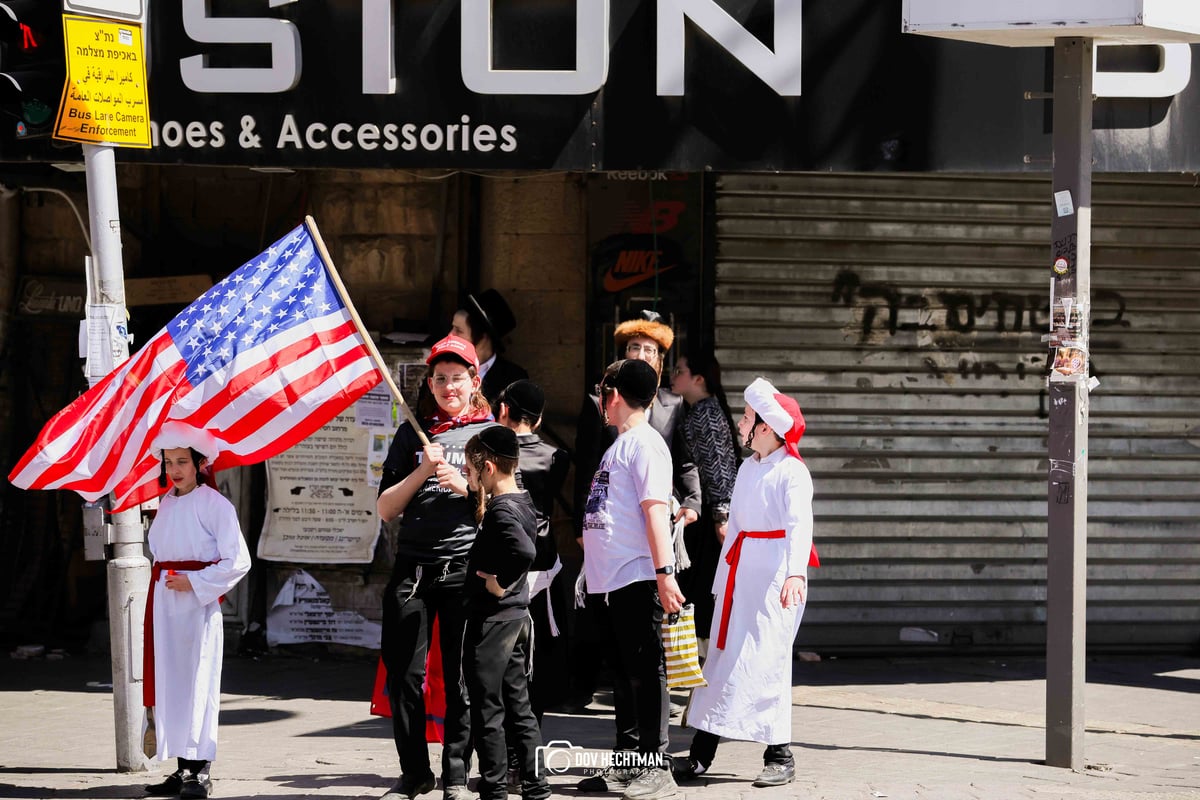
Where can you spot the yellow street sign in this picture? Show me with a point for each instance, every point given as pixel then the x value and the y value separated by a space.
pixel 105 100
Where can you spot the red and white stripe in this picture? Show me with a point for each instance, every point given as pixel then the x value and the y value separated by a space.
pixel 265 400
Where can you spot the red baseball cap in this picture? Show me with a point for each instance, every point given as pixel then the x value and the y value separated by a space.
pixel 454 347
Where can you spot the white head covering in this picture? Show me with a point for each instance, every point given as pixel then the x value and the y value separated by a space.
pixel 779 411
pixel 175 434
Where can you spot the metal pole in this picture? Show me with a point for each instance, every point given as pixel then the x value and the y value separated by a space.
pixel 1066 546
pixel 128 569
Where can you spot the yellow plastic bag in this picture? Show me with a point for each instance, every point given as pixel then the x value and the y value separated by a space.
pixel 681 649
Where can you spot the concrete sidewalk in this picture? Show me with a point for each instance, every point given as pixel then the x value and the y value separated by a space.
pixel 940 728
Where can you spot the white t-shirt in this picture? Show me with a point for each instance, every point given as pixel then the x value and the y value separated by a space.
pixel 637 467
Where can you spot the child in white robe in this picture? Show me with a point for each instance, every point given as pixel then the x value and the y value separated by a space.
pixel 761 587
pixel 199 555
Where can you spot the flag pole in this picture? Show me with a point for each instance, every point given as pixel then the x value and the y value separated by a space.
pixel 311 224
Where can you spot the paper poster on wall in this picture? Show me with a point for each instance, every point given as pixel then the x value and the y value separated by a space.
pixel 320 507
pixel 377 449
pixel 302 612
pixel 374 409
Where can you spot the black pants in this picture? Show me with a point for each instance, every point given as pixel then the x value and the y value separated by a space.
pixel 194 767
pixel 496 668
pixel 630 622
pixel 548 682
pixel 586 655
pixel 704 750
pixel 696 582
pixel 409 606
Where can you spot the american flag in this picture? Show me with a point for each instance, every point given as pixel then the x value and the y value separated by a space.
pixel 262 359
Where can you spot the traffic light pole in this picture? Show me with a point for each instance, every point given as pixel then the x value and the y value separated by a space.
pixel 1066 546
pixel 128 570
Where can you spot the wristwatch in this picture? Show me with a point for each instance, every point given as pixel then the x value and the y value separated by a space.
pixel 669 569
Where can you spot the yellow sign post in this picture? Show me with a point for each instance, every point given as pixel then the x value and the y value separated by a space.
pixel 105 99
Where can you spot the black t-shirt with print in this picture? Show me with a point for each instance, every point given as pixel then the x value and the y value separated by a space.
pixel 437 524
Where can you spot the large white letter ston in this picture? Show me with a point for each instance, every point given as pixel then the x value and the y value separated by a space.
pixel 780 70
pixel 1174 73
pixel 282 76
pixel 591 55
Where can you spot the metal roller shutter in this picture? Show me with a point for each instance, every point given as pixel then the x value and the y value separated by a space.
pixel 905 313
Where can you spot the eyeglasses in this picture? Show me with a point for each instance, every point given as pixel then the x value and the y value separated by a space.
pixel 601 391
pixel 442 381
pixel 648 350
pixel 679 370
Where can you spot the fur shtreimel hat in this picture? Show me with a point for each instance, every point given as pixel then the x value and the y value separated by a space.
pixel 650 325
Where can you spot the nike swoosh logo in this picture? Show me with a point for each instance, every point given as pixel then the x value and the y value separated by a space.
pixel 615 284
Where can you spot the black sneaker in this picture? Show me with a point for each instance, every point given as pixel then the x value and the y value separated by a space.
pixel 686 769
pixel 776 775
pixel 196 787
pixel 407 788
pixel 607 780
pixel 652 784
pixel 169 787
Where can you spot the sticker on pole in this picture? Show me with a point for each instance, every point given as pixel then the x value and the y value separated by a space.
pixel 1063 203
pixel 1061 266
pixel 105 100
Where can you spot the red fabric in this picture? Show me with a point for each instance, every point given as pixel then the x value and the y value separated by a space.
pixel 156 570
pixel 440 423
pixel 262 360
pixel 732 558
pixel 380 706
pixel 434 690
pixel 457 347
pixel 791 439
pixel 791 443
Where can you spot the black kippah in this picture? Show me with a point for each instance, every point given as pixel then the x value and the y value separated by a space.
pixel 501 441
pixel 525 398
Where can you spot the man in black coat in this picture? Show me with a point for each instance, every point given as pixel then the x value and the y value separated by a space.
pixel 647 339
pixel 484 320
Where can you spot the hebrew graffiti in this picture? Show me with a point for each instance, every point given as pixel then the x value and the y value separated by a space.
pixel 960 311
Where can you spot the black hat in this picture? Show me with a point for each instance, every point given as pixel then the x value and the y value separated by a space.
pixel 635 380
pixel 524 398
pixel 500 440
pixel 496 315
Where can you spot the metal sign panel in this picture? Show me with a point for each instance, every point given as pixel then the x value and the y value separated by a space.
pixel 352 85
pixel 129 10
pixel 105 99
pixel 1037 23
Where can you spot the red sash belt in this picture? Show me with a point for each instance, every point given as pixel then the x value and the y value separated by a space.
pixel 732 558
pixel 156 570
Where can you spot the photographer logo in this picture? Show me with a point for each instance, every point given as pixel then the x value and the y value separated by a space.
pixel 559 756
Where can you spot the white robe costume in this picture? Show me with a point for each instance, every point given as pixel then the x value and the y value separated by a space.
pixel 749 691
pixel 189 635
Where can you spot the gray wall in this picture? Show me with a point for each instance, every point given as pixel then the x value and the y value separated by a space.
pixel 905 313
